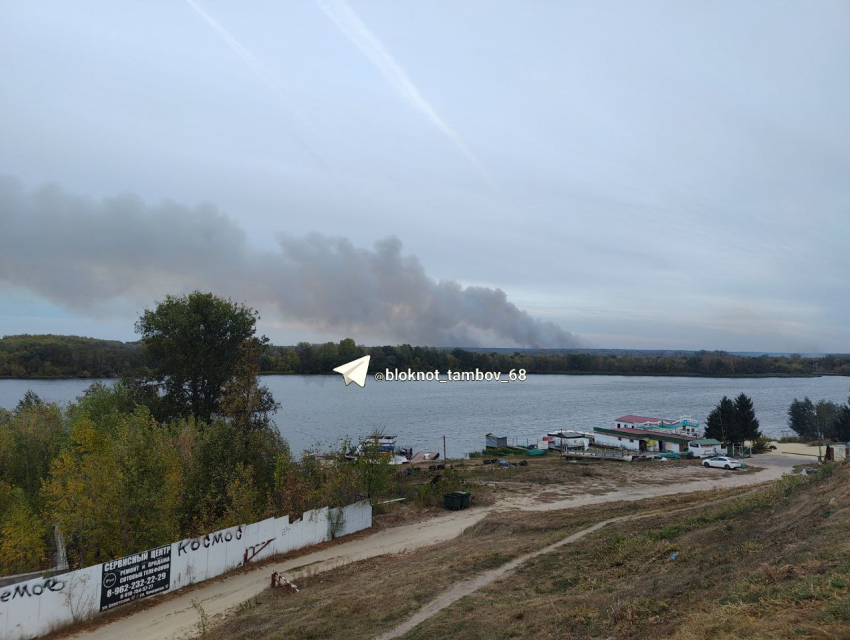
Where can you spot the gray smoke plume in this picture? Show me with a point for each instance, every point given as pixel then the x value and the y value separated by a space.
pixel 81 252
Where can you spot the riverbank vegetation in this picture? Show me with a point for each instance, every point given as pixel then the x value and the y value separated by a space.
pixel 184 447
pixel 824 420
pixel 48 356
pixel 733 421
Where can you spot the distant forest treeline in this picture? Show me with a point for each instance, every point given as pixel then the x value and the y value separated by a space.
pixel 50 356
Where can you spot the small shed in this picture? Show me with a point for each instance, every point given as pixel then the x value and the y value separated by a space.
pixel 564 439
pixel 496 442
pixel 838 451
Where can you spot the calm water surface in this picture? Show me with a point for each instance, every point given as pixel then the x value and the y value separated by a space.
pixel 321 410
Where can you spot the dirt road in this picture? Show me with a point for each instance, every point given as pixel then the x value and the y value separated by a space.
pixel 178 618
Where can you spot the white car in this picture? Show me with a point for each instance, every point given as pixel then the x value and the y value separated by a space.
pixel 722 462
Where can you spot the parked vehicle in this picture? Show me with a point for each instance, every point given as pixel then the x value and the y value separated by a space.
pixel 705 448
pixel 722 462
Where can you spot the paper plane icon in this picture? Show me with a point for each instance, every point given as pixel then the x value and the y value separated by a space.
pixel 355 371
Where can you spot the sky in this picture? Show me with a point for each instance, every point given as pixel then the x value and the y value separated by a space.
pixel 657 175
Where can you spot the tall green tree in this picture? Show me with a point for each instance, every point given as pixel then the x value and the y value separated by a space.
pixel 733 421
pixel 827 414
pixel 29 441
pixel 244 400
pixel 814 421
pixel 721 421
pixel 193 346
pixel 373 467
pixel 841 426
pixel 84 494
pixel 22 537
pixel 151 481
pixel 801 418
pixel 116 489
pixel 746 423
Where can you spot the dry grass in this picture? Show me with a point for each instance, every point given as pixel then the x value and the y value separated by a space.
pixel 553 470
pixel 544 479
pixel 775 564
pixel 366 598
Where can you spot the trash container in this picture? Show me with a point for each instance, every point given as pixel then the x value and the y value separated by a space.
pixel 457 500
pixel 453 501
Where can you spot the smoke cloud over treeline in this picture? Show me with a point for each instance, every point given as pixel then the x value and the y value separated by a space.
pixel 80 252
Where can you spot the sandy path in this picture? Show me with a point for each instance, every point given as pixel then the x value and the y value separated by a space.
pixel 177 618
pixel 799 449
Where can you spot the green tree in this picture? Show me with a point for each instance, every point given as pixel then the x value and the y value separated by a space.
pixel 104 404
pixel 222 460
pixel 721 422
pixel 841 426
pixel 746 423
pixel 22 537
pixel 373 467
pixel 83 495
pixel 243 498
pixel 193 346
pixel 151 481
pixel 827 414
pixel 31 399
pixel 348 350
pixel 117 487
pixel 801 418
pixel 244 400
pixel 29 441
pixel 733 422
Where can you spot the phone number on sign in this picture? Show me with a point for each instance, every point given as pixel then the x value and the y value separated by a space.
pixel 137 586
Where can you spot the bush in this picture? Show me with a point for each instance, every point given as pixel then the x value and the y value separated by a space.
pixel 760 444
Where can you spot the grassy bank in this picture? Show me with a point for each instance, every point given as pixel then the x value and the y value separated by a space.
pixel 770 563
pixel 365 598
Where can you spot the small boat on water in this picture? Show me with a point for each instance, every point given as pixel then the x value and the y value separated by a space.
pixel 386 444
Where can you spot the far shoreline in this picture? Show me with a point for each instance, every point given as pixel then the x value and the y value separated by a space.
pixel 545 373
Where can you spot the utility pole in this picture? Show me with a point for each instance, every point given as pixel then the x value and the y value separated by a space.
pixel 444 449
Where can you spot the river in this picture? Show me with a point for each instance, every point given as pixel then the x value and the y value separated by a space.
pixel 320 410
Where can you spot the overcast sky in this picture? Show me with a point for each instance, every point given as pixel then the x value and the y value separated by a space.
pixel 636 174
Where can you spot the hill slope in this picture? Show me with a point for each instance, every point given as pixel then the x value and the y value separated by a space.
pixel 775 564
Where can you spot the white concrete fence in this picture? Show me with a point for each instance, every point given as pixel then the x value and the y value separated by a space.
pixel 37 606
